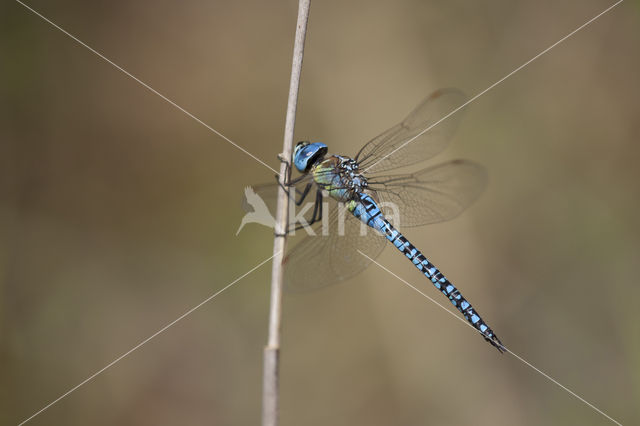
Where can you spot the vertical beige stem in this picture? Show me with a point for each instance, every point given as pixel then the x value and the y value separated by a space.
pixel 271 351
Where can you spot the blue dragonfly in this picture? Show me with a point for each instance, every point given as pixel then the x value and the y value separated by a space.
pixel 365 196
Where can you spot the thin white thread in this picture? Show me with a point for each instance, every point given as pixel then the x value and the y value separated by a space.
pixel 496 83
pixel 94 375
pixel 146 86
pixel 508 349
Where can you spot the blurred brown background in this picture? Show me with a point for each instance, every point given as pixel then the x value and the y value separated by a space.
pixel 119 213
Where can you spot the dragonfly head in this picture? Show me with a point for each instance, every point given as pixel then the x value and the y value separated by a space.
pixel 306 154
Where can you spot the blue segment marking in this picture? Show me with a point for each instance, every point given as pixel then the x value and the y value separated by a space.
pixel 367 210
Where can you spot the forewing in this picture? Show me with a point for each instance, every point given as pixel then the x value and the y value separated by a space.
pixel 435 194
pixel 423 134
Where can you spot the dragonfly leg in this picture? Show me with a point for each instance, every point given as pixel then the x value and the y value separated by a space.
pixel 317 209
pixel 287 168
pixel 305 191
pixel 292 183
pixel 319 205
pixel 288 181
pixel 287 174
pixel 316 216
pixel 296 180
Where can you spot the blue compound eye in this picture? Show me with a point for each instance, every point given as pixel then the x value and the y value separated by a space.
pixel 306 154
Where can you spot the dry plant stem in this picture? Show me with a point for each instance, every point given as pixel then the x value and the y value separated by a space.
pixel 271 351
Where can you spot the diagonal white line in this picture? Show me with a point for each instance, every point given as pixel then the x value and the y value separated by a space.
pixel 496 83
pixel 94 375
pixel 508 349
pixel 146 86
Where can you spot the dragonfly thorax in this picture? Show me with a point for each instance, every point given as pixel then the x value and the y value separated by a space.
pixel 340 177
pixel 353 179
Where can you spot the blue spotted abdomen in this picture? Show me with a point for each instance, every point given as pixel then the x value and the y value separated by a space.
pixel 367 211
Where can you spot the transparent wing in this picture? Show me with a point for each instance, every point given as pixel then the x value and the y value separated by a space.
pixel 321 260
pixel 268 193
pixel 329 256
pixel 396 147
pixel 435 194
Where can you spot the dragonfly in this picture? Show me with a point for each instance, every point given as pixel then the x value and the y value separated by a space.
pixel 352 193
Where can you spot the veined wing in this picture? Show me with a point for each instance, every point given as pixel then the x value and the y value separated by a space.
pixel 435 194
pixel 321 260
pixel 267 193
pixel 396 147
pixel 329 256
